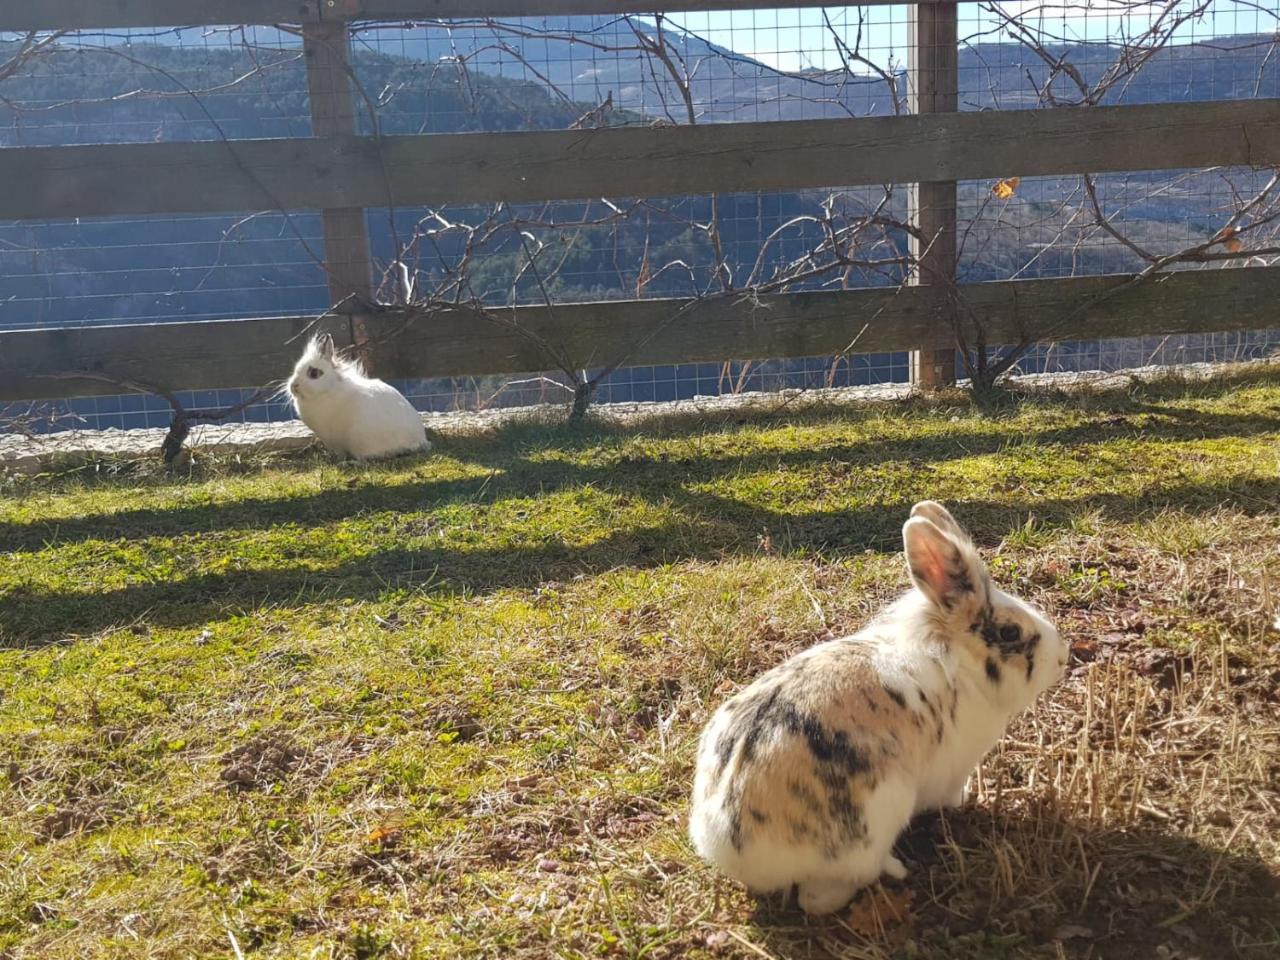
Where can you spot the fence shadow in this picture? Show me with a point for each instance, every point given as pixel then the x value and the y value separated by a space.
pixel 652 475
pixel 709 526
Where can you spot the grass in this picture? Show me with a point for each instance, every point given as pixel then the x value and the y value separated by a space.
pixel 446 707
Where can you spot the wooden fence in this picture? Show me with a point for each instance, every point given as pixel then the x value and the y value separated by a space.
pixel 341 173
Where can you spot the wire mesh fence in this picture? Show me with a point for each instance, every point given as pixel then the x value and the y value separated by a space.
pixel 1039 54
pixel 492 75
pixel 145 86
pixel 148 270
pixel 660 383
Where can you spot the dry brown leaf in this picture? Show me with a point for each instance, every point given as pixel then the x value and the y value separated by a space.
pixel 1006 188
pixel 1227 237
pixel 385 835
pixel 877 910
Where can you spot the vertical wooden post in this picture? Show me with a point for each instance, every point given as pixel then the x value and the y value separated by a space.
pixel 933 67
pixel 346 237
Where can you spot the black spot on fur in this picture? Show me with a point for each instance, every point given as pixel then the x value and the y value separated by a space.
pixel 836 762
pixel 801 830
pixel 993 670
pixel 735 828
pixel 933 711
pixel 921 694
pixel 757 815
pixel 733 807
pixel 896 696
pixel 805 794
pixel 833 819
pixel 760 721
pixel 1005 638
pixel 987 628
pixel 939 724
pixel 832 747
pixel 829 747
pixel 843 817
pixel 724 751
pixel 1031 665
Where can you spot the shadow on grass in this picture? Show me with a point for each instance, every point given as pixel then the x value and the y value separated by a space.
pixel 711 527
pixel 1010 886
pixel 655 477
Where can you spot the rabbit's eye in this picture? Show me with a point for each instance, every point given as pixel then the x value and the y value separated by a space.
pixel 315 373
pixel 1009 633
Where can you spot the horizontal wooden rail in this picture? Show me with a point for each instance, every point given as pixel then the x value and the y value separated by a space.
pixel 24 15
pixel 34 364
pixel 301 174
pixel 106 14
pixel 471 9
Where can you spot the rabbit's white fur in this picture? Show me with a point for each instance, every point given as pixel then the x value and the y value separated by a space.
pixel 808 775
pixel 353 415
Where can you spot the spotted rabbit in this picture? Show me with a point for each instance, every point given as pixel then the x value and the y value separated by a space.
pixel 808 775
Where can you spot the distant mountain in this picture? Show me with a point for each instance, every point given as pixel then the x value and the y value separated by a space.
pixel 591 59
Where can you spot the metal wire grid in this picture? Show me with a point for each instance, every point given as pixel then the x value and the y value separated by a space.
pixel 183 84
pixel 1192 50
pixel 142 86
pixel 639 384
pixel 132 270
pixel 1109 356
pixel 436 76
pixel 613 70
pixel 623 249
pixel 660 383
pixel 139 270
pixel 733 62
pixel 644 384
pixel 1049 227
pixel 784 65
pixel 122 270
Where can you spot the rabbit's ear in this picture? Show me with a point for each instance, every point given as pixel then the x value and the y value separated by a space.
pixel 324 344
pixel 941 518
pixel 947 570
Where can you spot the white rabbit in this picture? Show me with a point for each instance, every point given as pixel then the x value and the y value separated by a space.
pixel 808 775
pixel 353 415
